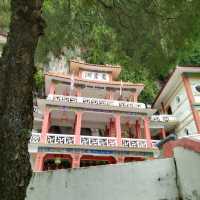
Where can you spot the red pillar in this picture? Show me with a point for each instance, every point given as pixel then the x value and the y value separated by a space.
pixel 191 101
pixel 45 126
pixel 162 133
pixel 39 161
pixel 118 129
pixel 52 88
pixel 135 97
pixel 147 132
pixel 112 132
pixel 138 129
pixel 77 131
pixel 76 160
pixel 78 92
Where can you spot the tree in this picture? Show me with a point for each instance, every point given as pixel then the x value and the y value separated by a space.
pixel 16 74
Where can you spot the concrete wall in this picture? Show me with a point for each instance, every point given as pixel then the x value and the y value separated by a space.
pixel 188 167
pixel 149 180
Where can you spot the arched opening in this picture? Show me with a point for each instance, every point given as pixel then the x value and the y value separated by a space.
pixel 57 161
pixel 87 160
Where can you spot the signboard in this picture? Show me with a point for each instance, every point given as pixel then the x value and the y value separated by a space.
pixel 97 76
pixel 95 101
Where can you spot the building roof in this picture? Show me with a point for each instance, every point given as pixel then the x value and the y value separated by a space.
pixel 173 80
pixel 54 76
pixel 75 66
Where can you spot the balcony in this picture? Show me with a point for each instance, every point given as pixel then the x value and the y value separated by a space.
pixel 93 141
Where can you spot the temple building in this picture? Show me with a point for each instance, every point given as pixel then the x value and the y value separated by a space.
pixel 180 97
pixel 89 118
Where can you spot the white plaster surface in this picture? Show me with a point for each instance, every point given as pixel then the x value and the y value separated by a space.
pixel 188 167
pixel 149 180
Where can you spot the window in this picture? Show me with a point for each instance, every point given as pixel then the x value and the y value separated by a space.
pixel 178 99
pixel 169 110
pixel 186 131
pixel 197 88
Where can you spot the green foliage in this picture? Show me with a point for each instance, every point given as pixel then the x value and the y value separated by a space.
pixel 147 38
pixel 39 79
pixel 141 75
pixel 4 14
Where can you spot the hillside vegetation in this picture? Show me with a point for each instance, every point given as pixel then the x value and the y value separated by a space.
pixel 147 37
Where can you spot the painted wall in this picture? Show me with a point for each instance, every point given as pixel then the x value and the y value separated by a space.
pixel 188 163
pixel 152 180
pixel 181 109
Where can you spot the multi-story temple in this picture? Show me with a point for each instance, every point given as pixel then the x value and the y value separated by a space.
pixel 90 118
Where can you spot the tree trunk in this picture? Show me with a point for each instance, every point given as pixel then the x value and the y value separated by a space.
pixel 16 106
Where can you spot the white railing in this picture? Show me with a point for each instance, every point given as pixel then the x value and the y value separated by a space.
pixel 59 139
pixel 92 140
pixel 35 138
pixel 95 101
pixel 137 143
pixel 134 143
pixel 98 141
pixel 163 118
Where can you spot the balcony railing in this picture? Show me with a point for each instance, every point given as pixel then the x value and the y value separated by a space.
pixel 92 141
pixel 163 118
pixel 60 139
pixel 95 101
pixel 98 141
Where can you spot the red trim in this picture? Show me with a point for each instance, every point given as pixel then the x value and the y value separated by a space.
pixel 110 159
pixel 191 101
pixel 185 143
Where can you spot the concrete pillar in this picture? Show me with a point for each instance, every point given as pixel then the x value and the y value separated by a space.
pixel 52 88
pixel 77 131
pixel 39 162
pixel 191 99
pixel 45 125
pixel 76 160
pixel 147 132
pixel 118 129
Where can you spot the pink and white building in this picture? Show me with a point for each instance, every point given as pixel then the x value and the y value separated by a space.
pixel 90 118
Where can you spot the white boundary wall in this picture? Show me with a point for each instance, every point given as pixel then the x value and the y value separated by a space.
pixel 148 180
